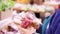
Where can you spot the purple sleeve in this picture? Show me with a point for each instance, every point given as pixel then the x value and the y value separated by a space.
pixel 39 30
pixel 58 29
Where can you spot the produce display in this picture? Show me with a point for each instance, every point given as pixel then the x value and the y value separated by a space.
pixel 6 4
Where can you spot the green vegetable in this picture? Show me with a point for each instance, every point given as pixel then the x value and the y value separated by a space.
pixel 8 4
pixel 2 6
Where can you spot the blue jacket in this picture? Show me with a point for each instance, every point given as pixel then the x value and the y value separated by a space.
pixel 54 26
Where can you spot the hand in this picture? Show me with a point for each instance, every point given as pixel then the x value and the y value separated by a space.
pixel 27 31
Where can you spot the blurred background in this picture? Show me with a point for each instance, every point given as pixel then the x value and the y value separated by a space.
pixel 6 12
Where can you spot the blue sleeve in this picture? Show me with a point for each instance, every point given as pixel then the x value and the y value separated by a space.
pixel 39 30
